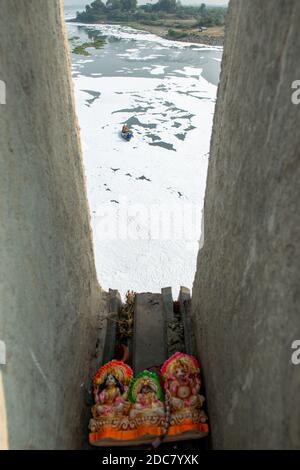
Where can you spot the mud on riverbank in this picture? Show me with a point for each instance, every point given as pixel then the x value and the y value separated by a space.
pixel 212 36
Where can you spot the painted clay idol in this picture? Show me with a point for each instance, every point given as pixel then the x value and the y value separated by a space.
pixel 146 396
pixel 147 413
pixel 111 409
pixel 182 384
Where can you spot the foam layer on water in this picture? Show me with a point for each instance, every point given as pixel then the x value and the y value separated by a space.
pixel 143 193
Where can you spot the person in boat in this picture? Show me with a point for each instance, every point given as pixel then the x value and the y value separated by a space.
pixel 125 129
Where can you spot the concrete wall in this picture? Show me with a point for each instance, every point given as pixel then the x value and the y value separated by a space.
pixel 246 291
pixel 48 289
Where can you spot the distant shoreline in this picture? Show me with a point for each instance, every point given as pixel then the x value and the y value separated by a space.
pixel 210 37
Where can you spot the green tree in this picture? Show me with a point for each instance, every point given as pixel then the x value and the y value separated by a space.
pixel 98 6
pixel 129 5
pixel 203 10
pixel 114 4
pixel 166 5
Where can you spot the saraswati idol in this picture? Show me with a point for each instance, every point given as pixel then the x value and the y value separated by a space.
pixel 182 384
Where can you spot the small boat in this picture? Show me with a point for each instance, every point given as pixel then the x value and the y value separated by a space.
pixel 127 135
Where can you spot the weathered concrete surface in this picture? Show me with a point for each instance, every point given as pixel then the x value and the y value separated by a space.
pixel 48 289
pixel 246 291
pixel 149 347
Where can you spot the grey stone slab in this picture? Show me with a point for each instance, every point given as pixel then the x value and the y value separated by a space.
pixel 149 332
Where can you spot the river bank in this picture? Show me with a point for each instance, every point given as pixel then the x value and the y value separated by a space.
pixel 213 36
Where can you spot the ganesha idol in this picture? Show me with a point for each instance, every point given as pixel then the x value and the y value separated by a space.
pixel 182 384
